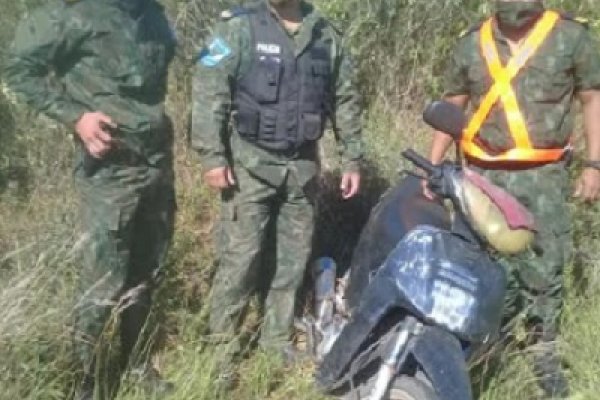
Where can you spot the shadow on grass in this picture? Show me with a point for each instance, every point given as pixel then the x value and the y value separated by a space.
pixel 339 222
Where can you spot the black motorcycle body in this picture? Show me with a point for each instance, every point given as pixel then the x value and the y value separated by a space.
pixel 400 210
pixel 423 294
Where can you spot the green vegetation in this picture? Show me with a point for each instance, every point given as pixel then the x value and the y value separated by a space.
pixel 400 47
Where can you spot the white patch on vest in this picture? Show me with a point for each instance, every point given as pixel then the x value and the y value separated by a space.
pixel 270 58
pixel 268 48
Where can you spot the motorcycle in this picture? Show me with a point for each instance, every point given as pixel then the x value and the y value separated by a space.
pixel 423 295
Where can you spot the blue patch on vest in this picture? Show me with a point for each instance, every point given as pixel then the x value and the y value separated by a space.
pixel 217 51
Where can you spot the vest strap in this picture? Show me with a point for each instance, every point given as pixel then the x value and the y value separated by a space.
pixel 502 90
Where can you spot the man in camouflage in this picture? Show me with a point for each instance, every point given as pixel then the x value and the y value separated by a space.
pixel 278 68
pixel 99 67
pixel 566 64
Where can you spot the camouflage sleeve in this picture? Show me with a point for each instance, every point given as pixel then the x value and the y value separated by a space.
pixel 43 41
pixel 456 80
pixel 587 62
pixel 217 67
pixel 347 113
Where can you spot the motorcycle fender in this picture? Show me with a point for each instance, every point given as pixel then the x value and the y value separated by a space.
pixel 442 359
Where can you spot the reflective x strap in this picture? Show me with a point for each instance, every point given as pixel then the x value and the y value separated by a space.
pixel 502 89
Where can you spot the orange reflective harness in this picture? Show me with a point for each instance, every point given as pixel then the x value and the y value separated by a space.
pixel 502 90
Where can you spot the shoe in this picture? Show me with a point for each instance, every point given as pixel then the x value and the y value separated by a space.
pixel 86 390
pixel 292 357
pixel 223 373
pixel 551 378
pixel 152 383
pixel 225 381
pixel 324 381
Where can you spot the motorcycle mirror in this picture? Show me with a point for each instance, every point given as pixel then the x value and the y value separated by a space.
pixel 446 117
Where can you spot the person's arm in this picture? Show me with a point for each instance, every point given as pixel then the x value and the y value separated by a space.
pixel 457 92
pixel 44 43
pixel 216 69
pixel 347 122
pixel 588 185
pixel 587 86
pixel 442 141
pixel 590 100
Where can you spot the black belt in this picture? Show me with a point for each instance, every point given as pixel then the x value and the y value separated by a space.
pixel 306 151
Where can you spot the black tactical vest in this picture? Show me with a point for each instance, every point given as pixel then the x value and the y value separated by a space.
pixel 282 102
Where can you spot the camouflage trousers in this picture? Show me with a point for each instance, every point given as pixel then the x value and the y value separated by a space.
pixel 127 215
pixel 536 276
pixel 245 248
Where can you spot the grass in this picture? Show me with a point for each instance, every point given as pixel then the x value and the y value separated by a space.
pixel 38 266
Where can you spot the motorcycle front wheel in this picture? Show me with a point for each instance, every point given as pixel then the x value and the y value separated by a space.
pixel 410 388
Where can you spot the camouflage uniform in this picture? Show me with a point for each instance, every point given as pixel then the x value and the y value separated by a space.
pixel 73 57
pixel 270 186
pixel 568 62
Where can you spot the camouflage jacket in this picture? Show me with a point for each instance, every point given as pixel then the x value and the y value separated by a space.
pixel 567 62
pixel 70 57
pixel 212 104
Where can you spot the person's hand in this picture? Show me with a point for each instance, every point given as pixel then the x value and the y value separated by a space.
pixel 587 187
pixel 426 190
pixel 92 130
pixel 350 184
pixel 220 178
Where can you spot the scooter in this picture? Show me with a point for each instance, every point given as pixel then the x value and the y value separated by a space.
pixel 423 294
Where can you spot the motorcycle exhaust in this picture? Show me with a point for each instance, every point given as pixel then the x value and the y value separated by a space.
pixel 325 271
pixel 328 322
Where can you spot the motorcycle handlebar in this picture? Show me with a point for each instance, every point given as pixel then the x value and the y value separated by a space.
pixel 419 161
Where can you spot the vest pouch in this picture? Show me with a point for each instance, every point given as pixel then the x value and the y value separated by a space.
pixel 268 125
pixel 311 126
pixel 318 78
pixel 247 123
pixel 320 69
pixel 268 79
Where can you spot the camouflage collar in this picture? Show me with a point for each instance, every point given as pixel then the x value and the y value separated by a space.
pixel 310 19
pixel 498 35
pixel 133 7
pixel 309 14
pixel 501 37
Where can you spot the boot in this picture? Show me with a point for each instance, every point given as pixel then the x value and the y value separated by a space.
pixel 226 380
pixel 133 320
pixel 132 323
pixel 547 367
pixel 292 357
pixel 547 363
pixel 86 390
pixel 147 376
pixel 152 383
pixel 224 373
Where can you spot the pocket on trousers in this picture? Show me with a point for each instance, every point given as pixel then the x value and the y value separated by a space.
pixel 228 207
